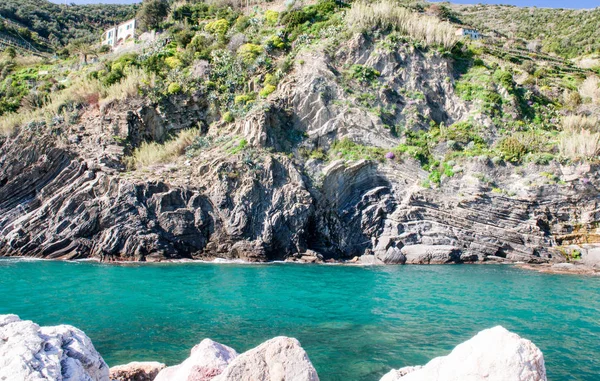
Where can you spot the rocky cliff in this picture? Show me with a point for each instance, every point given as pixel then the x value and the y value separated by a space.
pixel 255 190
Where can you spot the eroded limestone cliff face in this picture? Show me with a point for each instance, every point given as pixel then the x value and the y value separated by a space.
pixel 66 193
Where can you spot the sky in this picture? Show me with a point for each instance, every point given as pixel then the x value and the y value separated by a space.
pixel 96 1
pixel 537 3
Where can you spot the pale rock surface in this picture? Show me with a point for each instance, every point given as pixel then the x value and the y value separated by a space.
pixel 591 256
pixel 29 352
pixel 431 254
pixel 493 355
pixel 279 359
pixel 395 374
pixel 207 360
pixel 136 371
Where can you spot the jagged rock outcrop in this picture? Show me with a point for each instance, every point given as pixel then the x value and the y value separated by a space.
pixel 493 354
pixel 66 193
pixel 207 360
pixel 60 353
pixel 53 206
pixel 136 371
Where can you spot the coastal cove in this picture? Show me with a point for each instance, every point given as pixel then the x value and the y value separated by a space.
pixel 356 323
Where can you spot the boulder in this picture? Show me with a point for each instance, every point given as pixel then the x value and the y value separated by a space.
pixel 591 257
pixel 431 254
pixel 392 256
pixel 59 353
pixel 136 371
pixel 493 355
pixel 207 360
pixel 281 359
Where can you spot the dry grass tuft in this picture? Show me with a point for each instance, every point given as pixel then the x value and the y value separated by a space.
pixel 580 139
pixel 386 14
pixel 155 153
pixel 590 88
pixel 575 123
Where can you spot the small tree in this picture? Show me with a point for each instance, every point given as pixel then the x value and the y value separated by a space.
pixel 10 52
pixel 152 13
pixel 83 49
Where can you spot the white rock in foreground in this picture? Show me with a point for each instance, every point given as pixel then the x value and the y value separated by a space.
pixel 207 360
pixel 60 353
pixel 492 355
pixel 280 359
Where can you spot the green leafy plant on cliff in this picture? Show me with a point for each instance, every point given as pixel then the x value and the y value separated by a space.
pixel 348 150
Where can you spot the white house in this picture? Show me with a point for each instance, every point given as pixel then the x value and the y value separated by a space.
pixel 119 34
pixel 468 32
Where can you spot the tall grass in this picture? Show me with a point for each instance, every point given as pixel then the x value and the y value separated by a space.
pixel 155 153
pixel 577 123
pixel 580 138
pixel 128 87
pixel 77 93
pixel 82 91
pixel 388 14
pixel 590 88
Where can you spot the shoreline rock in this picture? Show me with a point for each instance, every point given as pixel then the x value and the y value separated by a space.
pixel 56 353
pixel 207 360
pixel 65 353
pixel 493 354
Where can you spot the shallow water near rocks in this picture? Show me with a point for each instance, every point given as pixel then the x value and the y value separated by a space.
pixel 356 323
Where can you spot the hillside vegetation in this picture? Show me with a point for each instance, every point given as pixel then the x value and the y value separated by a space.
pixel 50 26
pixel 519 98
pixel 565 32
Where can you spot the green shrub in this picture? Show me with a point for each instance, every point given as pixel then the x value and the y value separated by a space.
pixel 244 98
pixel 462 132
pixel 349 150
pixel 249 52
pixel 318 154
pixel 268 89
pixel 240 147
pixel 270 79
pixel 275 42
pixel 228 117
pixel 271 17
pixel 242 23
pixel 364 73
pixel 504 78
pixel 173 62
pixel 183 38
pixel 512 149
pixel 173 88
pixel 294 18
pixel 217 27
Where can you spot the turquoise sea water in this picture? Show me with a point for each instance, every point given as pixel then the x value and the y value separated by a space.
pixel 355 322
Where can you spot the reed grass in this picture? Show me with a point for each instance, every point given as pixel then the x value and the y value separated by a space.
pixel 151 153
pixel 388 14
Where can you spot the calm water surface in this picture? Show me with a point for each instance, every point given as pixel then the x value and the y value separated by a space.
pixel 355 322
